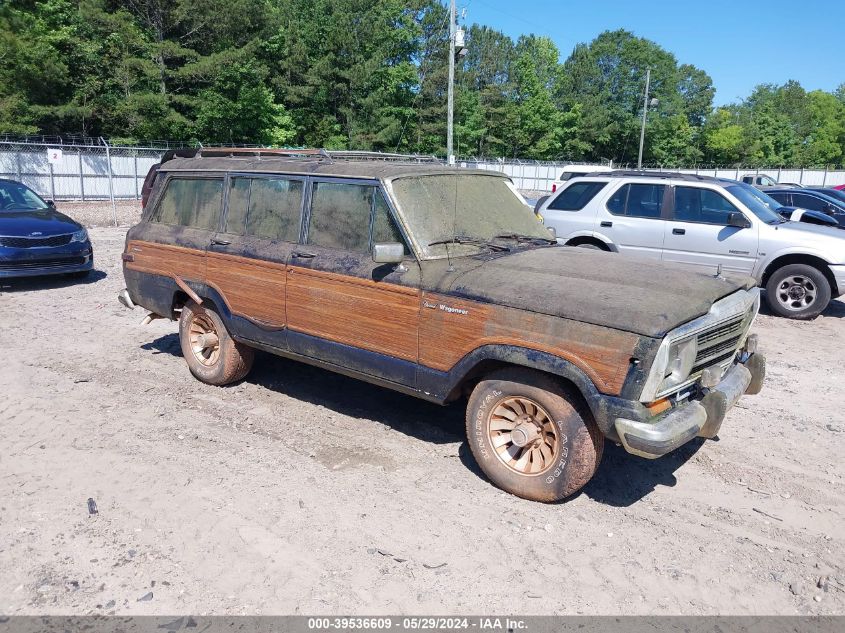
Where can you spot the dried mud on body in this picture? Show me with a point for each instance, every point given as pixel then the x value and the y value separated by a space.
pixel 298 491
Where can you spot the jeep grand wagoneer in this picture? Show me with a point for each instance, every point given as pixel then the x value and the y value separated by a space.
pixel 440 283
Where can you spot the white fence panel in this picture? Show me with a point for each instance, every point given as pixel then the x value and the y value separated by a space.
pixel 83 171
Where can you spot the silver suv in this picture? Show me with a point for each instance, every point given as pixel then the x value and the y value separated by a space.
pixel 709 224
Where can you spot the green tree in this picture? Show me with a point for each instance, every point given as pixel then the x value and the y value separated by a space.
pixel 723 137
pixel 239 108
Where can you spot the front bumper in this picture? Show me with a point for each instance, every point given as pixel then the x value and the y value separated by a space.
pixel 36 262
pixel 695 418
pixel 839 276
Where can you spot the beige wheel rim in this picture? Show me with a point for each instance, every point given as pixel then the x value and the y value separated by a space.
pixel 205 343
pixel 523 435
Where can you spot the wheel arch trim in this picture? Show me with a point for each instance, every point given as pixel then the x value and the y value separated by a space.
pixel 799 257
pixel 494 356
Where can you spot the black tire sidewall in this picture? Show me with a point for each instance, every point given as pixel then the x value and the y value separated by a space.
pixel 818 277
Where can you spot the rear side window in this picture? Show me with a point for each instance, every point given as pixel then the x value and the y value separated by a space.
pixel 783 198
pixel 637 201
pixel 576 196
pixel 340 216
pixel 265 207
pixel 812 203
pixel 194 202
pixel 702 205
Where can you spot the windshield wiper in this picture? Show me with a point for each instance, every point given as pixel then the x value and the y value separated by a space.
pixel 519 237
pixel 466 239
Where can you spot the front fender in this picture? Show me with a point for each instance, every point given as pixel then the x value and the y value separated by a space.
pixel 447 385
pixel 764 263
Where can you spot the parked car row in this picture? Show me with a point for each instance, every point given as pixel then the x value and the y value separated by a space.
pixel 830 202
pixel 441 284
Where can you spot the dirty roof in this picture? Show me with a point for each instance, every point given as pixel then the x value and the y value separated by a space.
pixel 369 169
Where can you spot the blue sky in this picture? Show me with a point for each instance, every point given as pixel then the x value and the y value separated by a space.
pixel 740 44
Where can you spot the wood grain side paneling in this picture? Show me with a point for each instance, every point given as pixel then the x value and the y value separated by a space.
pixel 435 330
pixel 450 332
pixel 376 316
pixel 163 259
pixel 252 288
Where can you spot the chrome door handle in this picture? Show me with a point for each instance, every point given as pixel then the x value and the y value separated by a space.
pixel 302 255
pixel 220 242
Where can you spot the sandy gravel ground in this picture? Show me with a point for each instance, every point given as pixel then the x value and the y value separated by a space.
pixel 300 492
pixel 101 213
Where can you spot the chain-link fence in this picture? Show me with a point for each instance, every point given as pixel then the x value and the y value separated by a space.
pixel 76 171
pixel 88 169
pixel 538 176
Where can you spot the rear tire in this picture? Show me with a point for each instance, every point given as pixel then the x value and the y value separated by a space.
pixel 212 355
pixel 532 436
pixel 798 291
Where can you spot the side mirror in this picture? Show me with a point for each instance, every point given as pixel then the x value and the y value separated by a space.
pixel 51 204
pixel 388 253
pixel 539 204
pixel 738 221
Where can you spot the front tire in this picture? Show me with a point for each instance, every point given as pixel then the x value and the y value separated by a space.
pixel 531 436
pixel 798 291
pixel 213 356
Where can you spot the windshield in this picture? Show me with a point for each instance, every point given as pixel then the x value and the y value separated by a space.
pixel 457 208
pixel 763 206
pixel 17 197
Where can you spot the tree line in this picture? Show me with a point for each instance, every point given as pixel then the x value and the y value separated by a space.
pixel 372 75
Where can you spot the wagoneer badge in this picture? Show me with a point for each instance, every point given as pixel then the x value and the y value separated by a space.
pixel 444 307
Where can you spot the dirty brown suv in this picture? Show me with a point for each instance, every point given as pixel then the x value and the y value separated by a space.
pixel 440 283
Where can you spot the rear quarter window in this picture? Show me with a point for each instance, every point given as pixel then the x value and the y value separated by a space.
pixel 193 202
pixel 637 200
pixel 265 207
pixel 576 196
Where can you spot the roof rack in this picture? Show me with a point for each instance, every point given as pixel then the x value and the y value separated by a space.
pixel 384 156
pixel 667 175
pixel 303 153
pixel 262 151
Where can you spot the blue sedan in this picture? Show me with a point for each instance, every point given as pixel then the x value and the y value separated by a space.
pixel 35 239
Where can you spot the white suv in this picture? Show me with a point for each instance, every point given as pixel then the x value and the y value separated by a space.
pixel 709 224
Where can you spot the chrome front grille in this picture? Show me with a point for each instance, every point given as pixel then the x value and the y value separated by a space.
pixel 718 344
pixel 718 335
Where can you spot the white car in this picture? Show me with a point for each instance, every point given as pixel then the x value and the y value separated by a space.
pixel 574 171
pixel 708 224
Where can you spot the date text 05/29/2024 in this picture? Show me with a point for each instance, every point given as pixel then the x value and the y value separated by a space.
pixel 416 623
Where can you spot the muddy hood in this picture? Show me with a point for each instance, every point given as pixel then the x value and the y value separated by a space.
pixel 596 287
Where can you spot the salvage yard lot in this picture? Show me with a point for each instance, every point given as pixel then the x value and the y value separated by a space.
pixel 301 491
